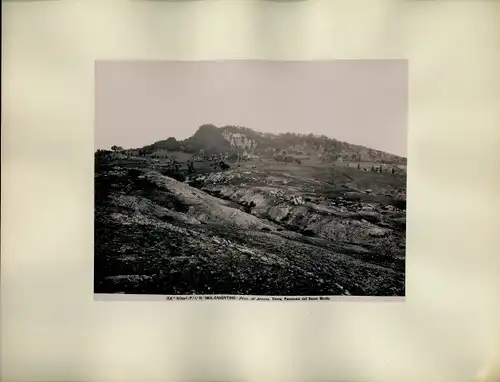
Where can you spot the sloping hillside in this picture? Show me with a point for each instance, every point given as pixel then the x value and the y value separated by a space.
pixel 264 228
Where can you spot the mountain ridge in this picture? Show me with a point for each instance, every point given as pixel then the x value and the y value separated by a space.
pixel 211 139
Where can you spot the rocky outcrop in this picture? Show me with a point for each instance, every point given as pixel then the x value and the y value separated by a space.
pixel 204 207
pixel 362 220
pixel 240 141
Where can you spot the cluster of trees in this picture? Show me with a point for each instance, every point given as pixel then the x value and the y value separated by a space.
pixel 376 169
pixel 170 144
pixel 286 158
pixel 222 165
pixel 103 154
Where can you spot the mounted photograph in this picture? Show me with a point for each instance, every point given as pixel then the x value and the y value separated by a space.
pixel 250 178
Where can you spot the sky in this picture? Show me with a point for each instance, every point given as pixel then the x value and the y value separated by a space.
pixel 362 102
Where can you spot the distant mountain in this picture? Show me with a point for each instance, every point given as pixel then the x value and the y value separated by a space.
pixel 211 139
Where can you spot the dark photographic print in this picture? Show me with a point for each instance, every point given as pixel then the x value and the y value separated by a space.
pixel 250 179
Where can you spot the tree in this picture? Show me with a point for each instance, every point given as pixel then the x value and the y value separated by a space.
pixel 171 144
pixel 102 154
pixel 190 165
pixel 116 148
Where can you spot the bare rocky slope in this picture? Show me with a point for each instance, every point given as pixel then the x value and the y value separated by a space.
pixel 258 229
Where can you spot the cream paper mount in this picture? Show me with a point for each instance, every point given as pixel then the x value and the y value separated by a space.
pixel 446 329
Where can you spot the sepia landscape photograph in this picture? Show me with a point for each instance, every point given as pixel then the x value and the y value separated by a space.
pixel 250 178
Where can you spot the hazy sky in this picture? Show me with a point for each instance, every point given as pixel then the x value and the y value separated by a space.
pixel 358 101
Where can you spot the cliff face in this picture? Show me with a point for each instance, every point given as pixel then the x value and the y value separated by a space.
pixel 239 141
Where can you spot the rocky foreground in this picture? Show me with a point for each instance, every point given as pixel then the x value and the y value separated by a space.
pixel 256 230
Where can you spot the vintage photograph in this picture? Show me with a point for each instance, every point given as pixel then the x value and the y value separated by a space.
pixel 250 178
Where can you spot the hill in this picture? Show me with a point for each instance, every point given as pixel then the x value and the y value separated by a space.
pixel 210 139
